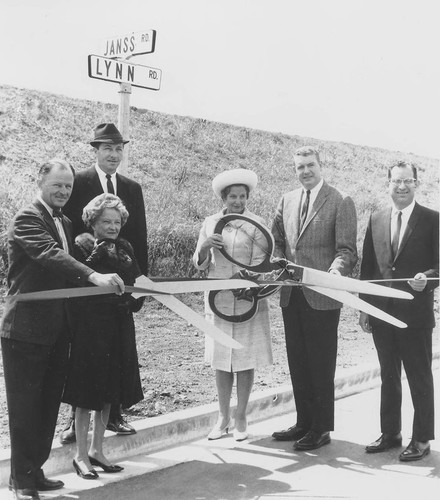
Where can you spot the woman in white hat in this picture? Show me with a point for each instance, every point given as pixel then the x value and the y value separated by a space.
pixel 233 187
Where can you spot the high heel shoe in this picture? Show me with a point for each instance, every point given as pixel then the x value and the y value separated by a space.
pixel 217 432
pixel 106 468
pixel 90 474
pixel 240 435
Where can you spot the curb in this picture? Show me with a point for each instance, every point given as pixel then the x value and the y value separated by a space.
pixel 160 432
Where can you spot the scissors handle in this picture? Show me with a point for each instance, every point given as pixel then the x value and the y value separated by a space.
pixel 233 318
pixel 266 264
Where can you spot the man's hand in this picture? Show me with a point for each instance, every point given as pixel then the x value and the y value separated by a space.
pixel 364 322
pixel 113 279
pixel 335 272
pixel 418 283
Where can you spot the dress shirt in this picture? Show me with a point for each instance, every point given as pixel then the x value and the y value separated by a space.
pixel 58 224
pixel 406 214
pixel 103 179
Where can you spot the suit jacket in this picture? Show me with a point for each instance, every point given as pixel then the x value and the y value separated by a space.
pixel 326 241
pixel 87 186
pixel 418 252
pixel 38 262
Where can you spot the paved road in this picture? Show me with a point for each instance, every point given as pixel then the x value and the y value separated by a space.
pixel 261 468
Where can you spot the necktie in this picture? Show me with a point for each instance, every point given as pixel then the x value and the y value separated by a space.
pixel 58 217
pixel 110 188
pixel 305 209
pixel 396 234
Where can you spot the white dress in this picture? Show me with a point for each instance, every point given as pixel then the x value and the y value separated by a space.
pixel 253 334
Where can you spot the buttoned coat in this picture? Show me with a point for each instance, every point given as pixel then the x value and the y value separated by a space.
pixel 87 185
pixel 253 334
pixel 38 262
pixel 418 253
pixel 326 241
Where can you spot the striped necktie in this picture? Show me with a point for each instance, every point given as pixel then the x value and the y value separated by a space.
pixel 305 209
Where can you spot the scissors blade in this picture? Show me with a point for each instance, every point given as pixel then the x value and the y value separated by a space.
pixel 328 280
pixel 86 291
pixel 63 293
pixel 189 286
pixel 353 301
pixel 195 319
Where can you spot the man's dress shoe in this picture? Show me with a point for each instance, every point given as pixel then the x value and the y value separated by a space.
pixel 384 443
pixel 121 427
pixel 414 451
pixel 312 440
pixel 45 484
pixel 68 434
pixel 42 483
pixel 25 494
pixel 291 434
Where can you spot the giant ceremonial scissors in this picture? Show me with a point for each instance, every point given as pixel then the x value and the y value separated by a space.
pixel 163 291
pixel 336 287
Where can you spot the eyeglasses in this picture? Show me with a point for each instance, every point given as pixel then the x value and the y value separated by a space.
pixel 408 182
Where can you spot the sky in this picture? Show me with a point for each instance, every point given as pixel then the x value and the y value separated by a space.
pixel 358 71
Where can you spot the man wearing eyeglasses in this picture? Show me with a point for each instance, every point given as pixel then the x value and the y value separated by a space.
pixel 403 242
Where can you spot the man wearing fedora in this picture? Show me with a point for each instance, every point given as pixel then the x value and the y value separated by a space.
pixel 102 177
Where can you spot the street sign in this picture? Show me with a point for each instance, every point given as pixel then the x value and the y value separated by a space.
pixel 113 70
pixel 134 44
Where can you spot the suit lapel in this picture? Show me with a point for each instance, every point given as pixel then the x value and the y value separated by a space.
pixel 412 221
pixel 317 205
pixel 381 232
pixel 95 183
pixel 50 222
pixel 121 187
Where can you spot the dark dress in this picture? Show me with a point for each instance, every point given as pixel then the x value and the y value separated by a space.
pixel 103 366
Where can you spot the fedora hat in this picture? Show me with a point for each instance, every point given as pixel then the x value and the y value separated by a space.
pixel 234 176
pixel 107 133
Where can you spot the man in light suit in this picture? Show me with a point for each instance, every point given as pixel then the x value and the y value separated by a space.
pixel 108 145
pixel 402 241
pixel 34 335
pixel 314 226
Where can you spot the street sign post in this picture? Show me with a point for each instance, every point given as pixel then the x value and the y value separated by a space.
pixel 112 70
pixel 115 67
pixel 134 44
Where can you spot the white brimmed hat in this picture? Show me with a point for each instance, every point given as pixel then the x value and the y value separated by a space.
pixel 234 176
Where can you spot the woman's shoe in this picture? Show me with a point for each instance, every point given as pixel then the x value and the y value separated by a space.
pixel 106 468
pixel 218 432
pixel 90 474
pixel 240 435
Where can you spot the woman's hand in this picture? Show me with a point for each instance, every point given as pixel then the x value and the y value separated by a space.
pixel 215 240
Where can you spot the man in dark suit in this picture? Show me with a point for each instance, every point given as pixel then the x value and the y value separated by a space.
pixel 314 226
pixel 34 335
pixel 108 145
pixel 402 241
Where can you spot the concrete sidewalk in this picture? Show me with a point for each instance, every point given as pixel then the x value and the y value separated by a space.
pixel 162 442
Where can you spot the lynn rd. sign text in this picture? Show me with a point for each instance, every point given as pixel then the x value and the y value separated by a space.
pixel 134 44
pixel 118 71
